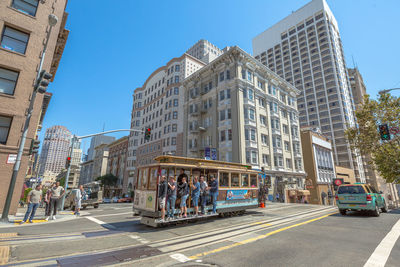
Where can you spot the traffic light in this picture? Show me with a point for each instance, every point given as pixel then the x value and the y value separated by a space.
pixel 34 146
pixel 384 132
pixel 43 81
pixel 147 134
pixel 68 162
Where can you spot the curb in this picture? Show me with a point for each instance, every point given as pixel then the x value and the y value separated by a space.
pixel 38 221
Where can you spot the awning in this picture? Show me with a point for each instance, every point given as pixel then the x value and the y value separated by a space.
pixel 303 192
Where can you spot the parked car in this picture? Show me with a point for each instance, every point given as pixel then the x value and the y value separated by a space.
pixel 360 197
pixel 106 200
pixel 115 199
pixel 125 199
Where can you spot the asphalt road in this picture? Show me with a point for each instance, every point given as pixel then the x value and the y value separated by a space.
pixel 279 235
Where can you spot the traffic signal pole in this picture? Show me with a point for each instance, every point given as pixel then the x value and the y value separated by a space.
pixel 74 140
pixel 17 164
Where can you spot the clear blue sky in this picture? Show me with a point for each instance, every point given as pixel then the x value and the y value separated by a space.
pixel 113 46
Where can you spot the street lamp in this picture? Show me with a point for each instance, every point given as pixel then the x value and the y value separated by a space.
pixel 52 20
pixel 387 90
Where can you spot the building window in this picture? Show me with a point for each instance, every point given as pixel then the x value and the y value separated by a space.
pixel 222 135
pixel 278 161
pixel 254 157
pixel 222 115
pixel 285 129
pixel 176 91
pixel 177 68
pixel 228 93
pixel 176 79
pixel 230 134
pixel 8 80
pixel 14 40
pixel 27 6
pixel 250 134
pixel 252 114
pixel 175 102
pixel 287 146
pixel 249 76
pixel 221 95
pixel 264 139
pixel 173 141
pixel 5 124
pixel 251 94
pixel 228 75
pixel 174 127
pixel 221 76
pixel 265 159
pixel 263 120
pixel 175 115
pixel 228 111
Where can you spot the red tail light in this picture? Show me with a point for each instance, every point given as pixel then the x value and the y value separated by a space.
pixel 336 197
pixel 369 197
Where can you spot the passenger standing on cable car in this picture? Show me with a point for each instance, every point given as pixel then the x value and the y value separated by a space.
pixel 181 175
pixel 171 197
pixel 203 194
pixel 214 193
pixel 162 195
pixel 195 195
pixel 183 191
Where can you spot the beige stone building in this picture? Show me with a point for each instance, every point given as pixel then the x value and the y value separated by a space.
pixel 319 166
pixel 117 158
pixel 158 105
pixel 23 33
pixel 247 114
pixel 346 174
pixel 100 161
pixel 74 175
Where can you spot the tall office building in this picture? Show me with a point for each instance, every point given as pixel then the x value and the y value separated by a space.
pixel 158 105
pixel 306 50
pixel 247 114
pixel 23 28
pixel 54 152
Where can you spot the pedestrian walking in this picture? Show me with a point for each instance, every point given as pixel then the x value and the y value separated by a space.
pixel 171 197
pixel 162 195
pixel 33 199
pixel 203 194
pixel 57 192
pixel 214 193
pixel 80 194
pixel 195 195
pixel 47 198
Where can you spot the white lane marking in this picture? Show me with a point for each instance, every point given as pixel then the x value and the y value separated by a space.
pixel 114 214
pixel 138 238
pixel 99 222
pixel 382 251
pixel 179 257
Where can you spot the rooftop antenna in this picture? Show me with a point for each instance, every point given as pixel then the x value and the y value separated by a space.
pixel 104 125
pixel 354 63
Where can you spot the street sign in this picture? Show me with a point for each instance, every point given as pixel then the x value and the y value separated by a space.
pixel 12 158
pixel 207 153
pixel 213 153
pixel 394 130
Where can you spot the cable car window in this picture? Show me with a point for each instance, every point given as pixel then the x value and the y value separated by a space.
pixel 245 180
pixel 235 180
pixel 224 179
pixel 253 180
pixel 153 179
pixel 145 177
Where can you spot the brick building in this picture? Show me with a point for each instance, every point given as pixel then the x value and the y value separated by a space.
pixel 23 31
pixel 117 158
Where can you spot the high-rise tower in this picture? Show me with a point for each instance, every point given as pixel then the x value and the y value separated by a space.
pixel 306 50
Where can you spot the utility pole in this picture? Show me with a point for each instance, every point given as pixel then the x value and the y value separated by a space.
pixel 40 86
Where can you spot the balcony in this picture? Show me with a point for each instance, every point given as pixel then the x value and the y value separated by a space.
pixel 276 131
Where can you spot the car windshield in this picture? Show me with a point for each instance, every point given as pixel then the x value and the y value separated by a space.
pixel 357 189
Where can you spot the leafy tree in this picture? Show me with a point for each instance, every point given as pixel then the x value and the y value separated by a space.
pixel 62 180
pixel 108 180
pixel 366 138
pixel 26 194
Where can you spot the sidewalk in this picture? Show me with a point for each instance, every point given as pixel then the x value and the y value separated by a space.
pixel 39 217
